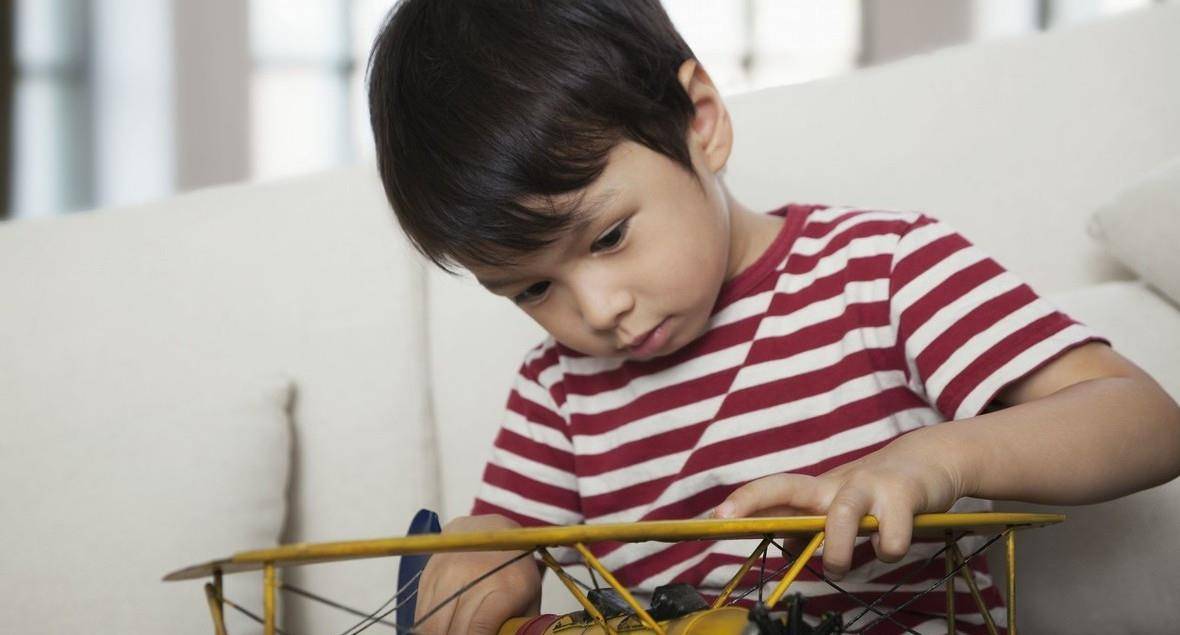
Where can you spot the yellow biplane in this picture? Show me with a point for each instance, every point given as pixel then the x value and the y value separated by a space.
pixel 612 609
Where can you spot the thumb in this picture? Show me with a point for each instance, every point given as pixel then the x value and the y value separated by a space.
pixel 791 491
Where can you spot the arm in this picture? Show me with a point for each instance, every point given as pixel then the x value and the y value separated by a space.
pixel 1089 426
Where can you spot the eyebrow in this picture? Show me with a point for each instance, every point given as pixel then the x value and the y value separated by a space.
pixel 583 214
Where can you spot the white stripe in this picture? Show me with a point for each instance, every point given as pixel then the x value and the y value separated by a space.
pixel 590 365
pixel 919 237
pixel 749 376
pixel 854 341
pixel 539 351
pixel 837 261
pixel 537 432
pixel 550 377
pixel 809 246
pixel 736 426
pixel 923 283
pixel 829 213
pixel 950 314
pixel 694 368
pixel 741 309
pixel 535 393
pixel 755 467
pixel 651 425
pixel 528 468
pixel 816 312
pixel 1019 366
pixel 517 503
pixel 970 351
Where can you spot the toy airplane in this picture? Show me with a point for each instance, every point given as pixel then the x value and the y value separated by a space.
pixel 613 610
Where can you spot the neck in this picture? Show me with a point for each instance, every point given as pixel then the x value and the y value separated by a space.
pixel 751 234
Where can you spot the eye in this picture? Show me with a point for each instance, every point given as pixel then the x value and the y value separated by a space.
pixel 534 292
pixel 612 238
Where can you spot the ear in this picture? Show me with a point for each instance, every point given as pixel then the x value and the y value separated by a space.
pixel 710 131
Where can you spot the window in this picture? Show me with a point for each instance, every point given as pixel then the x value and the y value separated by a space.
pixel 95 113
pixel 51 162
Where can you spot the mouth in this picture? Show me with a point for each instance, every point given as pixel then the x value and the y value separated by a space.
pixel 649 342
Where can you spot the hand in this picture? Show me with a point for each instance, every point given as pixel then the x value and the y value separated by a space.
pixel 916 473
pixel 514 591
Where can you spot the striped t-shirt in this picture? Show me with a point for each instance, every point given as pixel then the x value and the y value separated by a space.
pixel 854 327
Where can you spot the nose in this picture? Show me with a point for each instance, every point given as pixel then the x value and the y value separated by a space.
pixel 602 302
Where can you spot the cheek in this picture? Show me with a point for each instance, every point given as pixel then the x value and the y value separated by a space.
pixel 692 264
pixel 565 326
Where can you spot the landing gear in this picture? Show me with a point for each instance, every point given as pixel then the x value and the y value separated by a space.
pixel 762 623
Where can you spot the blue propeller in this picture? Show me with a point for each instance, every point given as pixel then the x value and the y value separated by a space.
pixel 409 568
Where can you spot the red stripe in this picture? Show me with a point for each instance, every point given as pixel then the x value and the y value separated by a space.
pixel 945 294
pixel 534 450
pixel 820 228
pixel 799 264
pixel 719 338
pixel 861 315
pixel 531 489
pixel 995 357
pixel 803 385
pixel 482 507
pixel 971 324
pixel 653 403
pixel 841 418
pixel 914 264
pixel 536 413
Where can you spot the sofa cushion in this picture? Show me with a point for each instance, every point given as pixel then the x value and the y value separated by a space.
pixel 1110 567
pixel 112 479
pixel 1141 227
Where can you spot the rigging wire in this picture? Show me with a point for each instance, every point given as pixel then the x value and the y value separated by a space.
pixel 247 613
pixel 463 589
pixel 373 618
pixel 940 582
pixel 905 580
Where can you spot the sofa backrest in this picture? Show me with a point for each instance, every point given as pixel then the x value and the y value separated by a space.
pixel 303 286
pixel 1013 141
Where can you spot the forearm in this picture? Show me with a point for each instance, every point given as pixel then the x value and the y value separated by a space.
pixel 1092 441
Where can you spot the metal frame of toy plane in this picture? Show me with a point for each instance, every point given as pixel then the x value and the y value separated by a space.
pixel 538 539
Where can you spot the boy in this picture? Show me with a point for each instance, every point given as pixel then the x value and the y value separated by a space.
pixel 709 360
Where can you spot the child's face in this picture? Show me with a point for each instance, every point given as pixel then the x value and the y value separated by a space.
pixel 641 277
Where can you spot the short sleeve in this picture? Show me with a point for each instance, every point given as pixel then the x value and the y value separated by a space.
pixel 967 326
pixel 530 476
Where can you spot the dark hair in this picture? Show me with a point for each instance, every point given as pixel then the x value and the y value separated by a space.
pixel 483 111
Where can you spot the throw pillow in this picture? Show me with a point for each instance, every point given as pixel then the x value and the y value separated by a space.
pixel 1140 227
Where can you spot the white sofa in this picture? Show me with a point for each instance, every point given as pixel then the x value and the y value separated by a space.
pixel 255 363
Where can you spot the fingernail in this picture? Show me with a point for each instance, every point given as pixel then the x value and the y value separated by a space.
pixel 724 510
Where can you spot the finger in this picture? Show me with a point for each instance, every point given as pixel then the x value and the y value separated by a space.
pixel 777 490
pixel 848 507
pixel 439 622
pixel 895 530
pixel 480 614
pixel 777 511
